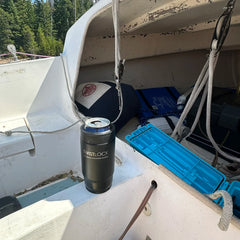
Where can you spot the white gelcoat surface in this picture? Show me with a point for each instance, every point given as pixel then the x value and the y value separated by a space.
pixel 15 143
pixel 178 211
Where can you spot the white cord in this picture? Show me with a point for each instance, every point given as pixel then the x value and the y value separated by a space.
pixel 10 132
pixel 79 115
pixel 219 36
pixel 120 97
pixel 115 8
pixel 202 78
pixel 115 11
pixel 212 57
pixel 204 95
pixel 182 99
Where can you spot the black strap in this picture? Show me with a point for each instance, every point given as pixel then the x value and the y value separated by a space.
pixel 170 122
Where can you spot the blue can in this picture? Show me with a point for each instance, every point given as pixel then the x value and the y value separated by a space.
pixel 97 124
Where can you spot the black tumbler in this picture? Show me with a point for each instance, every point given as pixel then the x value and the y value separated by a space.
pixel 98 154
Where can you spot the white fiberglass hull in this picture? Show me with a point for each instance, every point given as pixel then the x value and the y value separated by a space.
pixel 177 211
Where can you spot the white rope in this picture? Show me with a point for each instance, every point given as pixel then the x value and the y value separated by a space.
pixel 212 58
pixel 120 97
pixel 115 13
pixel 76 111
pixel 191 100
pixel 195 92
pixel 227 211
pixel 10 132
pixel 206 78
pixel 203 99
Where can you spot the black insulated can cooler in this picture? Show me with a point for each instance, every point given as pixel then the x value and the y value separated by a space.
pixel 98 154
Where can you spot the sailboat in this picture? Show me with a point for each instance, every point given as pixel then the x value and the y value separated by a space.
pixel 136 45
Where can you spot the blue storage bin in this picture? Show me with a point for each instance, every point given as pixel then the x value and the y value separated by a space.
pixel 234 190
pixel 162 149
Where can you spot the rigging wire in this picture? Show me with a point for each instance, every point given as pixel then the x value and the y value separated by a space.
pixel 206 79
pixel 208 113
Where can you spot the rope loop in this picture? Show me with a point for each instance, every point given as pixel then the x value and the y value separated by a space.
pixel 227 212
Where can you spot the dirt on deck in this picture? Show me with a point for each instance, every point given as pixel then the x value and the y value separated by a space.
pixel 5 60
pixel 11 60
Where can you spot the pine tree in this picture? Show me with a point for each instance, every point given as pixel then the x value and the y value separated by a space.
pixel 29 44
pixel 5 31
pixel 38 26
pixel 26 12
pixel 10 8
pixel 26 19
pixel 63 17
pixel 43 16
pixel 55 46
pixel 58 47
pixel 5 5
pixel 21 6
pixel 42 42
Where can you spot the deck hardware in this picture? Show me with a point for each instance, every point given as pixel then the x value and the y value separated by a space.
pixel 140 208
pixel 147 210
pixel 118 161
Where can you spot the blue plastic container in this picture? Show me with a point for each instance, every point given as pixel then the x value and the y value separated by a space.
pixel 234 191
pixel 162 149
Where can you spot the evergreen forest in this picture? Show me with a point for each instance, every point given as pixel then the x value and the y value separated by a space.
pixel 38 26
